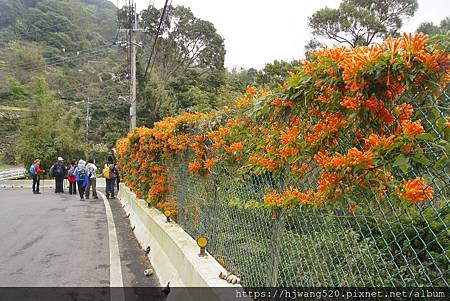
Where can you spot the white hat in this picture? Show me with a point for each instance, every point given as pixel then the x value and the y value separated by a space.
pixel 60 159
pixel 81 162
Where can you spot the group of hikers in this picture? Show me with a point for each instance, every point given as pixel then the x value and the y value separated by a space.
pixel 78 174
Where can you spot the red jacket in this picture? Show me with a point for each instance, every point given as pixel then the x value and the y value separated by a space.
pixel 38 168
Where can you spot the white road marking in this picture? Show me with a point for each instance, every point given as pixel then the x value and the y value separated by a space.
pixel 115 268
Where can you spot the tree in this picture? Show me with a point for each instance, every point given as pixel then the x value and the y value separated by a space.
pixel 33 34
pixel 188 65
pixel 49 130
pixel 275 73
pixel 361 22
pixel 431 29
pixel 185 41
pixel 9 11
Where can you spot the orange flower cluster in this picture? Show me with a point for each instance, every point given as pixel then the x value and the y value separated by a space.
pixel 378 142
pixel 291 197
pixel 353 158
pixel 194 166
pixel 412 129
pixel 342 120
pixel 415 191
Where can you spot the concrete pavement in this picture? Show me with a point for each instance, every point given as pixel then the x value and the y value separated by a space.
pixel 57 240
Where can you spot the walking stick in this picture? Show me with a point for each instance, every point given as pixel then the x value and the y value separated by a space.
pixel 43 182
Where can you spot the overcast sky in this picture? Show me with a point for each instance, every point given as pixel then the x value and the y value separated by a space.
pixel 257 32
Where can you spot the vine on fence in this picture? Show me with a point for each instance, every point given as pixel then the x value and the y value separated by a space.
pixel 354 118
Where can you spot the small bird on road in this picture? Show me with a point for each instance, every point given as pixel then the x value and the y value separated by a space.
pixel 166 290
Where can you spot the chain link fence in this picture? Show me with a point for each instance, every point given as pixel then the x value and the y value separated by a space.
pixel 336 178
pixel 381 245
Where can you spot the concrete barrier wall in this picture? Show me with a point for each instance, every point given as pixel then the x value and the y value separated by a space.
pixel 173 253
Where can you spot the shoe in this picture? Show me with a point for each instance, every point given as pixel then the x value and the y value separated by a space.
pixel 82 199
pixel 95 197
pixel 37 192
pixel 34 192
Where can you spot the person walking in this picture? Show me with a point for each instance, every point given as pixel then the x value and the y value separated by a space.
pixel 81 175
pixel 92 174
pixel 59 172
pixel 72 178
pixel 35 171
pixel 110 174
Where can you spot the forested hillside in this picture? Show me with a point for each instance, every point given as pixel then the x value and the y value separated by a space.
pixel 67 46
pixel 69 52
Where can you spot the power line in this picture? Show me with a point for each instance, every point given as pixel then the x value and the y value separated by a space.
pixel 156 39
pixel 39 29
pixel 93 54
pixel 90 55
pixel 79 54
pixel 64 59
pixel 153 63
pixel 54 57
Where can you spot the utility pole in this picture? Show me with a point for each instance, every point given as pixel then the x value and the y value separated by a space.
pixel 132 44
pixel 133 70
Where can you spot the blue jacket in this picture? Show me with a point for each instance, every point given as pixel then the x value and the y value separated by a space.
pixel 79 168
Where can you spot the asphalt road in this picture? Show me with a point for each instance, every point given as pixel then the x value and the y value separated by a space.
pixel 56 240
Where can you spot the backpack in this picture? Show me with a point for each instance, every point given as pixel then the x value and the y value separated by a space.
pixel 32 170
pixel 106 172
pixel 81 173
pixel 112 171
pixel 71 171
pixel 58 170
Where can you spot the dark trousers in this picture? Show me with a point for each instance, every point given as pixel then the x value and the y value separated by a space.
pixel 92 184
pixel 118 182
pixel 110 187
pixel 59 184
pixel 73 188
pixel 36 180
pixel 80 189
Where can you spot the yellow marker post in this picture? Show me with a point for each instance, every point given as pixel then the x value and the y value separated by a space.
pixel 167 213
pixel 202 242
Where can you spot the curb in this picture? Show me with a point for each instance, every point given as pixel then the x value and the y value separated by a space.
pixel 173 253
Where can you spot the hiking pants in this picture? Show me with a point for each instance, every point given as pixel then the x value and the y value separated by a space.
pixel 59 184
pixel 81 189
pixel 73 188
pixel 110 187
pixel 92 184
pixel 36 180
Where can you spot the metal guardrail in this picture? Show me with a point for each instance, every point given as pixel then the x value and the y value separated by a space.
pixel 11 174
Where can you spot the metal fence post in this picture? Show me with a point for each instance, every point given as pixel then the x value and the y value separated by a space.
pixel 275 247
pixel 277 233
pixel 182 163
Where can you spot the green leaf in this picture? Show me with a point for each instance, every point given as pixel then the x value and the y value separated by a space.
pixel 402 162
pixel 425 136
pixel 441 162
pixel 420 158
pixel 441 123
